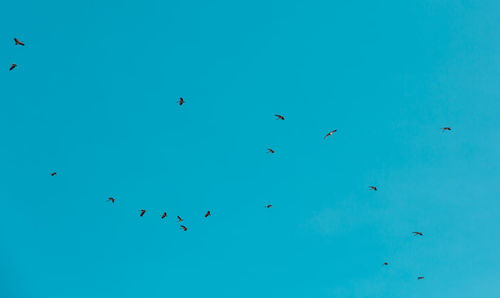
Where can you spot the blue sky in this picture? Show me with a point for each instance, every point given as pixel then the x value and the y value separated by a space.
pixel 94 99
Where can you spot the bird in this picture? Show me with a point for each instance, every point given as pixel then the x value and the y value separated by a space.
pixel 112 200
pixel 330 133
pixel 373 188
pixel 18 42
pixel 420 277
pixel 279 117
pixel 208 214
pixel 53 174
pixel 184 228
pixel 269 206
pixel 385 264
pixel 418 234
pixel 179 218
pixel 164 215
pixel 142 212
pixel 13 66
pixel 446 128
pixel 269 150
pixel 181 101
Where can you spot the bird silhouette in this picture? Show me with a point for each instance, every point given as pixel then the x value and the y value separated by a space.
pixel 53 174
pixel 208 214
pixel 446 128
pixel 112 200
pixel 179 219
pixel 279 117
pixel 330 133
pixel 269 150
pixel 18 42
pixel 181 101
pixel 420 277
pixel 142 212
pixel 13 66
pixel 184 228
pixel 269 206
pixel 385 264
pixel 373 188
pixel 164 215
pixel 418 234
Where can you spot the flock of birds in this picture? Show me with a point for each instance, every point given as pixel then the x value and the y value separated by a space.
pixel 269 150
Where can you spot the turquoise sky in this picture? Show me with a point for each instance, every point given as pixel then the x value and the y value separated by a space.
pixel 94 99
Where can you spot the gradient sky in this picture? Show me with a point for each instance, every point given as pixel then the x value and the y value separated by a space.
pixel 94 98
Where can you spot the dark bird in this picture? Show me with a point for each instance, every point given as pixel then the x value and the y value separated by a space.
pixel 208 214
pixel 279 117
pixel 18 42
pixel 181 101
pixel 269 150
pixel 269 206
pixel 446 128
pixel 112 200
pixel 373 188
pixel 164 215
pixel 184 228
pixel 385 264
pixel 418 234
pixel 53 174
pixel 142 212
pixel 13 66
pixel 179 218
pixel 420 277
pixel 330 133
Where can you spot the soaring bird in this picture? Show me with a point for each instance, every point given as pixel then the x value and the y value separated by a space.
pixel 385 264
pixel 179 218
pixel 420 277
pixel 142 212
pixel 184 228
pixel 181 101
pixel 13 66
pixel 53 174
pixel 112 200
pixel 208 213
pixel 373 188
pixel 418 234
pixel 164 215
pixel 279 117
pixel 269 150
pixel 269 206
pixel 18 42
pixel 446 128
pixel 330 133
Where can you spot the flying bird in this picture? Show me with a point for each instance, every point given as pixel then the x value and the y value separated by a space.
pixel 53 174
pixel 330 133
pixel 418 234
pixel 385 264
pixel 112 200
pixel 164 215
pixel 179 219
pixel 269 206
pixel 18 42
pixel 208 214
pixel 446 128
pixel 420 277
pixel 184 228
pixel 373 188
pixel 13 66
pixel 269 150
pixel 279 117
pixel 181 101
pixel 142 212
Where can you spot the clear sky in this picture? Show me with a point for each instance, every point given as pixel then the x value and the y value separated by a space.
pixel 94 99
